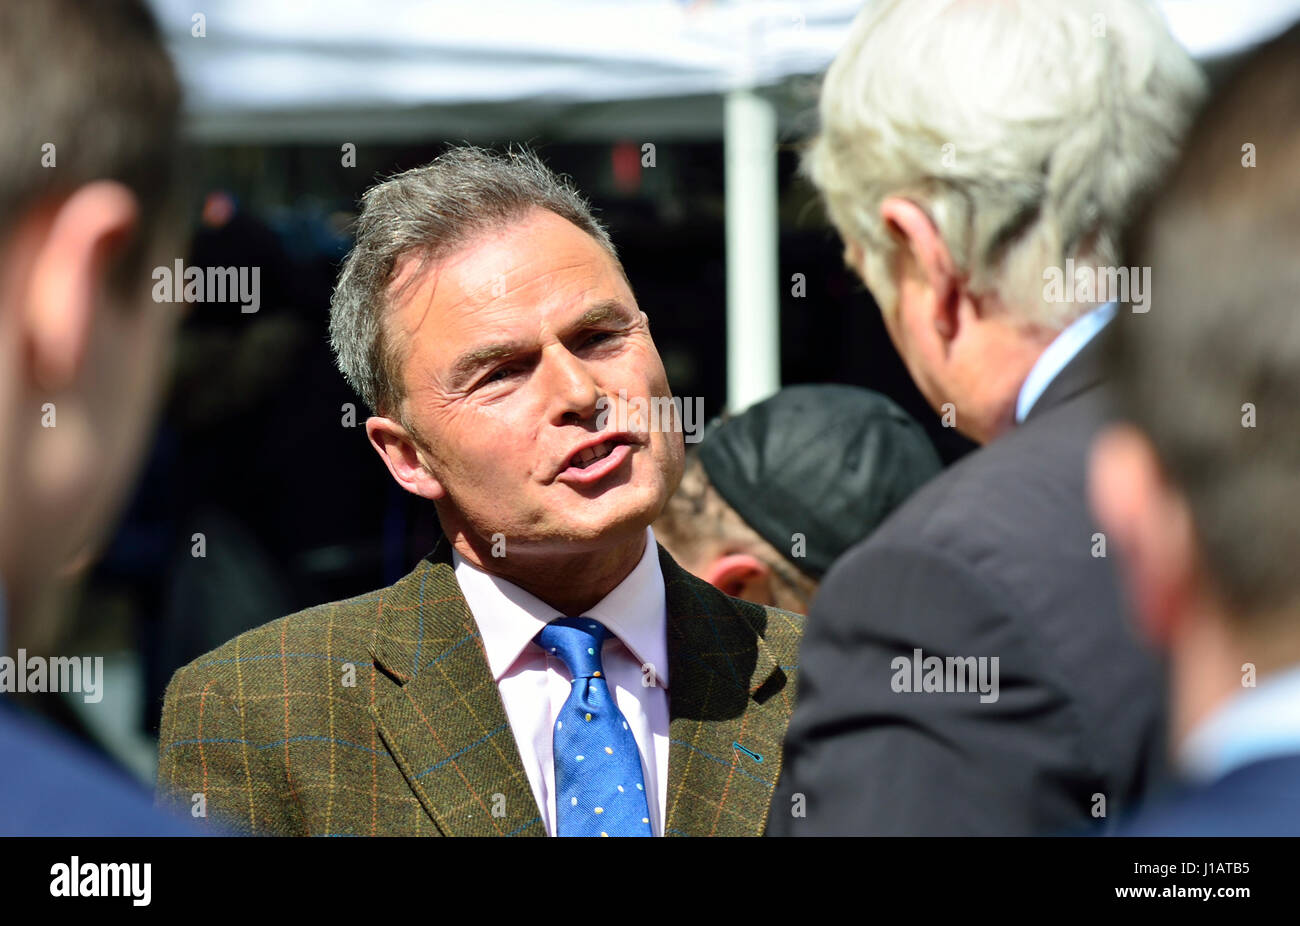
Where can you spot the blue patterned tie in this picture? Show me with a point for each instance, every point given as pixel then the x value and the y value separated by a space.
pixel 599 786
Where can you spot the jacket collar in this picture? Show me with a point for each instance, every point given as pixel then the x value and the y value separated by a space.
pixel 444 724
pixel 1085 371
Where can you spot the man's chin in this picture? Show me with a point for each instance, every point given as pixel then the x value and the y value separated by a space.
pixel 608 523
pixel 612 530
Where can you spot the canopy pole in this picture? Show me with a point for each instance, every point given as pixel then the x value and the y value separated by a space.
pixel 753 300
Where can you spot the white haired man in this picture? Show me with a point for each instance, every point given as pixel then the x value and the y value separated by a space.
pixel 968 669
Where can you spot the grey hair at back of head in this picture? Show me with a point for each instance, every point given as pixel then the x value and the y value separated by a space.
pixel 430 212
pixel 1028 130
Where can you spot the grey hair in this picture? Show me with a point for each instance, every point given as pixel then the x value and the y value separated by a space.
pixel 1027 130
pixel 430 212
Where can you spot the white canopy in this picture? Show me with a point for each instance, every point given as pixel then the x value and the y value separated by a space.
pixel 271 71
pixel 274 70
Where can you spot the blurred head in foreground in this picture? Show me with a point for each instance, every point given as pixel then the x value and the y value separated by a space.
pixel 1022 141
pixel 774 495
pixel 89 107
pixel 1199 487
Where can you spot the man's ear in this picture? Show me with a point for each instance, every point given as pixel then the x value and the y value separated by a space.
pixel 1147 522
pixel 855 258
pixel 68 276
pixel 405 460
pixel 925 255
pixel 740 575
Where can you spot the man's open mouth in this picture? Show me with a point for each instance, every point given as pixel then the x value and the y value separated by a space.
pixel 588 455
pixel 594 462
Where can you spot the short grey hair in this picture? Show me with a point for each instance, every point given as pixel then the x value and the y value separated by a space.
pixel 1028 131
pixel 430 212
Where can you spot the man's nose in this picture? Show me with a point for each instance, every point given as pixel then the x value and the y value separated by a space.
pixel 574 391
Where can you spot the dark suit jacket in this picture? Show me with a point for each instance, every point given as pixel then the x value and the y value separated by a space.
pixel 991 558
pixel 272 734
pixel 53 786
pixel 1259 799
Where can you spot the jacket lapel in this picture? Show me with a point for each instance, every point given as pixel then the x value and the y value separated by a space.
pixel 445 725
pixel 443 720
pixel 728 710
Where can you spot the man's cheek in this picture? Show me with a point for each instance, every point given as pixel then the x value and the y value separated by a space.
pixel 500 466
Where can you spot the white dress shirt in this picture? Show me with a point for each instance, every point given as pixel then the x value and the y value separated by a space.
pixel 535 684
pixel 1064 348
pixel 1256 724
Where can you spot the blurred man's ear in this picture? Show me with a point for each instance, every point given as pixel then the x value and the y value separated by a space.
pixel 1147 524
pixel 408 463
pixel 855 258
pixel 69 274
pixel 924 258
pixel 741 575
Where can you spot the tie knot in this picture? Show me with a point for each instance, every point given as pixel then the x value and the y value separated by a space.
pixel 576 640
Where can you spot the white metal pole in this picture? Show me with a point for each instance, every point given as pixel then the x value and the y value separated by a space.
pixel 753 302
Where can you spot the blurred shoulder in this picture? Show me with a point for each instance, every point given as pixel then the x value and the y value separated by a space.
pixel 1017 498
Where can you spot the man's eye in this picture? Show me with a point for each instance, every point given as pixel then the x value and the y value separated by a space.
pixel 598 337
pixel 497 375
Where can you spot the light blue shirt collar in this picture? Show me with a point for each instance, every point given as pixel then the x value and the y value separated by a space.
pixel 1260 723
pixel 1061 351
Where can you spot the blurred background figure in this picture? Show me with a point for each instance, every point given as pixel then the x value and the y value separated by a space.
pixel 86 210
pixel 1197 488
pixel 772 496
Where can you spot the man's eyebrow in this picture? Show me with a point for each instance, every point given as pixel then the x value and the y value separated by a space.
pixel 470 362
pixel 602 313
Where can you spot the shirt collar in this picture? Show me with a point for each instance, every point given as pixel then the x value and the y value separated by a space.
pixel 508 617
pixel 1259 723
pixel 1060 352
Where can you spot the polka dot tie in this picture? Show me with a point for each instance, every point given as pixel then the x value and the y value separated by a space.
pixel 599 786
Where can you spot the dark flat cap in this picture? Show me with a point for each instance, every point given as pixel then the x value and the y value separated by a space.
pixel 828 462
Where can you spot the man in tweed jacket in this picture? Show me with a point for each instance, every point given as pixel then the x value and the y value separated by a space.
pixel 484 316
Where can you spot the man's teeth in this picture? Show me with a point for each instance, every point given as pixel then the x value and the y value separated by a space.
pixel 584 458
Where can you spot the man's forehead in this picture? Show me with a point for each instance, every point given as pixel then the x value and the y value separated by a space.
pixel 537 239
pixel 540 256
pixel 504 286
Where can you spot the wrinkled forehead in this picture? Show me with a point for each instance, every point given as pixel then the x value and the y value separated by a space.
pixel 542 273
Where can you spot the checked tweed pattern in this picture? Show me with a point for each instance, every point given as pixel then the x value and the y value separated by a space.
pixel 599 784
pixel 380 716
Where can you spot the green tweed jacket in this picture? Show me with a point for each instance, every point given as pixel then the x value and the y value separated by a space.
pixel 379 716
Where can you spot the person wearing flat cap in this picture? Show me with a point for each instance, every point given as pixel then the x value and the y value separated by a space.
pixel 774 495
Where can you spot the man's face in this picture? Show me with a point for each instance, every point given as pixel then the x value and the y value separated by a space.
pixel 959 348
pixel 509 347
pixel 903 321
